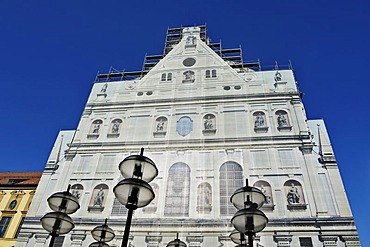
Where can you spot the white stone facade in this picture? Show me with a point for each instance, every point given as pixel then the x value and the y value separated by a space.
pixel 208 127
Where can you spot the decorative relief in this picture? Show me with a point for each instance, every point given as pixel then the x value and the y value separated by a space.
pixel 189 76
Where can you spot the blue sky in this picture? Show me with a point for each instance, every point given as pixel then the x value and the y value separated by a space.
pixel 50 52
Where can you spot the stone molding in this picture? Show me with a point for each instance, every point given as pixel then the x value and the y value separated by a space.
pixel 328 241
pixel 195 241
pixel 153 241
pixel 283 240
pixel 352 241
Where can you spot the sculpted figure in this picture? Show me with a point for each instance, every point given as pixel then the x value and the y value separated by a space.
pixel 282 120
pixel 208 123
pixel 293 195
pixel 268 198
pixel 98 202
pixel 115 128
pixel 96 128
pixel 277 76
pixel 260 121
pixel 160 125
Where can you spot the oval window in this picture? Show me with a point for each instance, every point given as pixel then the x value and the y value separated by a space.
pixel 12 204
pixel 188 62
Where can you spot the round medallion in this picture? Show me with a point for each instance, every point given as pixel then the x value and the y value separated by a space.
pixel 12 204
pixel 188 62
pixel 130 84
pixel 250 77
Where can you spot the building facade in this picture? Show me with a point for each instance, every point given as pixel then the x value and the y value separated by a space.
pixel 209 121
pixel 16 192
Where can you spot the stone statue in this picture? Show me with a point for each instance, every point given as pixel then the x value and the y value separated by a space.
pixel 160 125
pixel 76 194
pixel 204 196
pixel 277 76
pixel 293 195
pixel 189 75
pixel 260 121
pixel 104 88
pixel 208 123
pixel 99 198
pixel 96 128
pixel 282 120
pixel 190 40
pixel 115 127
pixel 268 198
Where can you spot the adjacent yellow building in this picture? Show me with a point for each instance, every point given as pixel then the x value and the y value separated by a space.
pixel 16 193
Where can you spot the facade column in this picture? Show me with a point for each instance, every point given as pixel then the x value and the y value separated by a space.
pixel 351 241
pixel 153 241
pixel 41 239
pixel 77 239
pixel 23 239
pixel 329 241
pixel 194 241
pixel 283 240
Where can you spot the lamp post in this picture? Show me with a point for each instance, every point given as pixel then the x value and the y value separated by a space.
pixel 248 219
pixel 134 191
pixel 58 222
pixel 176 243
pixel 102 234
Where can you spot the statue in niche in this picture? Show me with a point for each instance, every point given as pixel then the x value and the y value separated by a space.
pixel 98 201
pixel 277 76
pixel 189 75
pixel 115 127
pixel 160 125
pixel 204 196
pixel 282 120
pixel 76 193
pixel 293 195
pixel 96 128
pixel 104 88
pixel 268 197
pixel 208 123
pixel 260 121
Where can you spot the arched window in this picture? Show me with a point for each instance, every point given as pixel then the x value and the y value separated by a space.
pixel 265 187
pixel 96 127
pixel 204 198
pixel 208 73
pixel 163 77
pixel 283 120
pixel 77 190
pixel 115 128
pixel 98 198
pixel 294 195
pixel 231 179
pixel 214 73
pixel 169 77
pixel 178 190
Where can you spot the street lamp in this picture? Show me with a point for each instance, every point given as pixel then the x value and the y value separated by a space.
pixel 176 243
pixel 58 222
pixel 248 219
pixel 134 191
pixel 102 234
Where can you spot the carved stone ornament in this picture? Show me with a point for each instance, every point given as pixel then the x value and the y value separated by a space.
pixel 130 84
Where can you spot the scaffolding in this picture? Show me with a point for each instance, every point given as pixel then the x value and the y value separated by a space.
pixel 234 57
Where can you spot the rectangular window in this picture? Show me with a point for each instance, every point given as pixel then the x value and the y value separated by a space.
pixel 169 77
pixel 107 164
pixel 4 223
pixel 208 74
pixel 85 162
pixel 305 242
pixel 163 78
pixel 59 241
pixel 19 227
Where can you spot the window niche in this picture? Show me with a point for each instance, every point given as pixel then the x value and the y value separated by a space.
pixel 265 187
pixel 260 125
pixel 294 195
pixel 15 199
pixel 204 198
pixel 98 198
pixel 283 121
pixel 115 128
pixel 209 124
pixel 95 129
pixel 160 127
